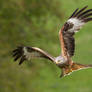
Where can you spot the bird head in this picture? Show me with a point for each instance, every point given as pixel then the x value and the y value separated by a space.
pixel 60 60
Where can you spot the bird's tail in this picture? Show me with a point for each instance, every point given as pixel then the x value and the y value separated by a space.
pixel 75 66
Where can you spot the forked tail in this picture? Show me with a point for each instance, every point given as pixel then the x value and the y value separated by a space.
pixel 75 66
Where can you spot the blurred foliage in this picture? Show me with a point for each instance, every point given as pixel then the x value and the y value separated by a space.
pixel 36 23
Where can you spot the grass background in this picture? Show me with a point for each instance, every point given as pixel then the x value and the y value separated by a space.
pixel 37 23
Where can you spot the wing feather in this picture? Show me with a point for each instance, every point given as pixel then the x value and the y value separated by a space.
pixel 85 12
pixel 80 11
pixel 27 53
pixel 87 15
pixel 73 25
pixel 74 13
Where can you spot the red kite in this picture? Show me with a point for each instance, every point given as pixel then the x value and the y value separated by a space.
pixel 66 34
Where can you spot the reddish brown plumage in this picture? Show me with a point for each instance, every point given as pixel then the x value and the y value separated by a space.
pixel 66 70
pixel 67 41
pixel 64 52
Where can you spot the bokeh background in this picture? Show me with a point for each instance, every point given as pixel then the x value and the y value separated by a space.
pixel 37 23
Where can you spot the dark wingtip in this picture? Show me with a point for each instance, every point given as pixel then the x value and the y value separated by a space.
pixel 84 13
pixel 22 60
pixel 17 57
pixel 20 63
pixel 86 16
pixel 74 13
pixel 87 20
pixel 17 53
pixel 86 6
pixel 80 11
pixel 14 50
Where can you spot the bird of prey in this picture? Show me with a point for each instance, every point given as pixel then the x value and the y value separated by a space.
pixel 66 34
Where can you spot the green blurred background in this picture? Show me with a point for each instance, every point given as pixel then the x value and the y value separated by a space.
pixel 37 23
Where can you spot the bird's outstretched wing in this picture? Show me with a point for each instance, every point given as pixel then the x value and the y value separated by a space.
pixel 73 25
pixel 27 53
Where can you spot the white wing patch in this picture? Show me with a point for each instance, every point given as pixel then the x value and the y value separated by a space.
pixel 77 24
pixel 29 55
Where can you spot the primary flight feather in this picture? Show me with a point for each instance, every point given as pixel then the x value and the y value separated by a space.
pixel 66 35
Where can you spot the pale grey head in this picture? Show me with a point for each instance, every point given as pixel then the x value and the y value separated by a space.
pixel 60 60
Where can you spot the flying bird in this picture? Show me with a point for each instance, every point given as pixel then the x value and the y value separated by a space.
pixel 66 34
